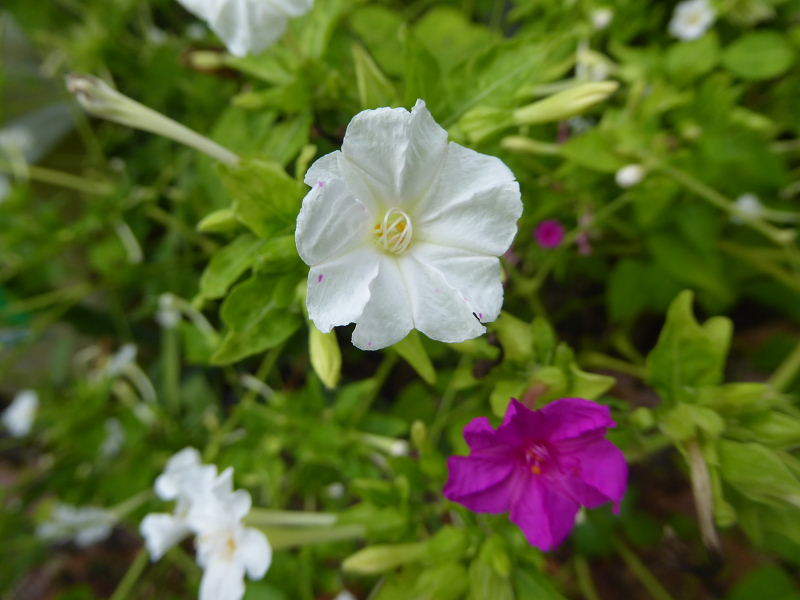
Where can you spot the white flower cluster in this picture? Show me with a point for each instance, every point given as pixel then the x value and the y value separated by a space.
pixel 248 26
pixel 207 507
pixel 19 416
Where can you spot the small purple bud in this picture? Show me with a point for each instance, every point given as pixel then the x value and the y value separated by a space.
pixel 549 234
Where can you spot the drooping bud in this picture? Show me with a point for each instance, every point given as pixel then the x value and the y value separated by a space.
pixel 564 105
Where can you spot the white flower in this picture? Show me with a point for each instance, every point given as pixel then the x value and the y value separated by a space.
pixel 345 595
pixel 185 479
pixel 84 525
pixel 225 548
pixel 402 231
pixel 120 361
pixel 630 175
pixel 115 438
pixel 20 414
pixel 691 19
pixel 248 26
pixel 747 207
pixel 602 17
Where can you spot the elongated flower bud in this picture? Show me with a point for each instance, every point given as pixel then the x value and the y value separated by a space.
pixel 101 100
pixel 564 105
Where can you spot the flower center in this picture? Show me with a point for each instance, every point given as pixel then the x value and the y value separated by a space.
pixel 536 457
pixel 394 233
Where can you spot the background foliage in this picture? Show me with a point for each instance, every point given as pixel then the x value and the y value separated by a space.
pixel 678 313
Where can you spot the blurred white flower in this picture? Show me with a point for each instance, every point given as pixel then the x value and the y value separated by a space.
pixel 168 315
pixel 402 231
pixel 747 207
pixel 591 65
pixel 119 362
pixel 248 26
pixel 345 595
pixel 114 440
pixel 225 548
pixel 185 479
pixel 630 175
pixel 602 17
pixel 20 414
pixel 691 19
pixel 85 525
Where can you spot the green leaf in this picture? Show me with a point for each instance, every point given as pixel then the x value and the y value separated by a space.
pixel 758 473
pixel 683 421
pixel 228 265
pixel 257 317
pixel 219 221
pixel 265 198
pixel 374 89
pixel 594 150
pixel 759 55
pixel 412 350
pixel 626 297
pixel 588 385
pixel 515 337
pixel 502 393
pixel 769 581
pixel 689 60
pixel 688 356
pixel 489 572
pixel 447 581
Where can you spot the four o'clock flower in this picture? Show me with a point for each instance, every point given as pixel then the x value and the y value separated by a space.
pixel 541 467
pixel 403 230
pixel 248 26
pixel 691 19
pixel 225 548
pixel 20 414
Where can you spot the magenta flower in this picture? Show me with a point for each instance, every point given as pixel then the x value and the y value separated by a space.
pixel 549 234
pixel 541 466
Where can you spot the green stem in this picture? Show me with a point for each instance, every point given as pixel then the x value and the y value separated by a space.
pixel 58 178
pixel 785 374
pixel 756 259
pixel 642 573
pixel 171 359
pixel 380 377
pixel 599 360
pixel 280 538
pixel 128 582
pixel 262 517
pixel 439 421
pixel 781 237
pixel 585 581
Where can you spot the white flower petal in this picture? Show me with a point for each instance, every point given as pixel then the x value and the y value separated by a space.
pixel 390 156
pixel 161 532
pixel 254 553
pixel 338 289
pixel 184 474
pixel 222 580
pixel 477 278
pixel 331 223
pixel 387 317
pixel 21 413
pixel 475 204
pixel 324 169
pixel 440 312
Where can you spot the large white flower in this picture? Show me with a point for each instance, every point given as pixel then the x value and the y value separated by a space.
pixel 402 231
pixel 186 480
pixel 225 548
pixel 20 414
pixel 691 19
pixel 248 26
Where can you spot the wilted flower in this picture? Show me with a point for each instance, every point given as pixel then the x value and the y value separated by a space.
pixel 85 525
pixel 248 26
pixel 549 234
pixel 630 175
pixel 691 19
pixel 402 231
pixel 540 466
pixel 20 414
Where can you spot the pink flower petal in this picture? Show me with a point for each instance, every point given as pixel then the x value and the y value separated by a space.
pixel 482 484
pixel 545 516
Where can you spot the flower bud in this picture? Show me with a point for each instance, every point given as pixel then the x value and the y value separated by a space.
pixel 564 105
pixel 630 175
pixel 383 558
pixel 326 357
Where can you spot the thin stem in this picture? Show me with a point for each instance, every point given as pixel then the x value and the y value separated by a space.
pixel 765 265
pixel 444 406
pixel 640 570
pixel 380 377
pixel 135 571
pixel 261 517
pixel 603 361
pixel 281 538
pixel 785 374
pixel 171 360
pixel 58 178
pixel 585 581
pixel 782 237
